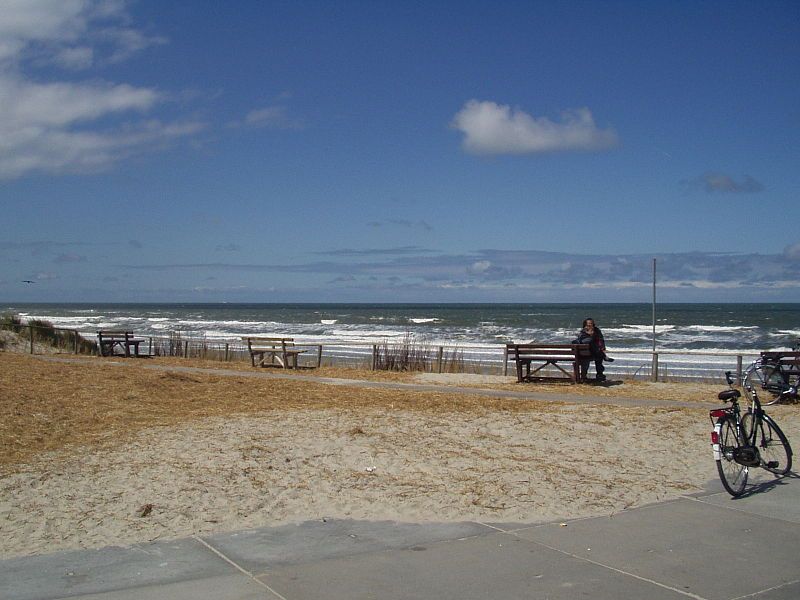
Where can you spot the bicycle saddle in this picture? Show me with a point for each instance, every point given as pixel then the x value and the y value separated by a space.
pixel 729 395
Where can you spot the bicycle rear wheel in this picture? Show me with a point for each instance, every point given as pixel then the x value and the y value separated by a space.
pixel 766 376
pixel 776 453
pixel 732 474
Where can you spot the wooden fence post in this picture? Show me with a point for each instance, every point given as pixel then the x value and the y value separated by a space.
pixel 738 367
pixel 186 349
pixel 226 352
pixel 654 374
pixel 505 361
pixel 31 328
pixel 374 357
pixel 76 341
pixel 439 360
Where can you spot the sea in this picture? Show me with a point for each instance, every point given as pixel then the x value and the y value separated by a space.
pixel 626 327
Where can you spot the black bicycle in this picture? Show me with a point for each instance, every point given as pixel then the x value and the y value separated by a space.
pixel 775 372
pixel 745 439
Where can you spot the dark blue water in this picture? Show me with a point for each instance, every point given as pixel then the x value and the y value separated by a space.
pixel 626 326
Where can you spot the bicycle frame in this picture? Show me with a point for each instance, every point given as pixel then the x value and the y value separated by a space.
pixel 748 439
pixel 735 438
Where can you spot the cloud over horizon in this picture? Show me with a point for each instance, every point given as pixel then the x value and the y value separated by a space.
pixel 530 270
pixel 725 184
pixel 491 128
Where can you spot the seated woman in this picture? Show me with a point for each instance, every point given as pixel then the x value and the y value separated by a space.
pixel 591 334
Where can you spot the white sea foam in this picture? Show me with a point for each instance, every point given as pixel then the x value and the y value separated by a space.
pixel 637 329
pixel 367 334
pixel 718 328
pixel 65 320
pixel 329 321
pixel 419 320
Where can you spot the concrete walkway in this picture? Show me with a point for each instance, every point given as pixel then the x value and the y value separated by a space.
pixel 706 546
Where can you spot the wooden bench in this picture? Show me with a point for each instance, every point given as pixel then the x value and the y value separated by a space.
pixel 548 354
pixel 279 351
pixel 108 340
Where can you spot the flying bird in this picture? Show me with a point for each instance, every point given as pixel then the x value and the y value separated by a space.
pixel 27 281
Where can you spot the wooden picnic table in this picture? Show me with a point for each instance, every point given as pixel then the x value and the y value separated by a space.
pixel 278 351
pixel 108 340
pixel 548 354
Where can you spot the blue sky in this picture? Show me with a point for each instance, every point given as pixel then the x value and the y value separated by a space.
pixel 399 151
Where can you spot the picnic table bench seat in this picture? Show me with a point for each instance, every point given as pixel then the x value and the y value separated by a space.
pixel 524 355
pixel 788 363
pixel 278 351
pixel 109 340
pixel 784 356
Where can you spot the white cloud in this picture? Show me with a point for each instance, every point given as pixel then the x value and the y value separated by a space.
pixel 45 126
pixel 53 126
pixel 24 22
pixel 274 117
pixel 722 183
pixel 491 128
pixel 63 32
pixel 792 252
pixel 480 266
pixel 28 105
pixel 76 59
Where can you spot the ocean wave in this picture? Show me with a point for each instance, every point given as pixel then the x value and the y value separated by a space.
pixel 368 334
pixel 56 320
pixel 638 329
pixel 233 323
pixel 329 321
pixel 419 320
pixel 718 328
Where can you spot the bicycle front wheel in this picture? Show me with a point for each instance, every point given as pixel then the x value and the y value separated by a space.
pixel 732 474
pixel 776 453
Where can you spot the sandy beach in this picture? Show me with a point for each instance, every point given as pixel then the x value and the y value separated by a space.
pixel 94 455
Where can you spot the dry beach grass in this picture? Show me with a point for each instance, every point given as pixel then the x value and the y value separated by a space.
pixel 85 445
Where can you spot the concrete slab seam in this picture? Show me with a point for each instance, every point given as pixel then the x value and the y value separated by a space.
pixel 588 517
pixel 741 510
pixel 620 571
pixel 777 587
pixel 238 567
pixel 490 526
pixel 395 549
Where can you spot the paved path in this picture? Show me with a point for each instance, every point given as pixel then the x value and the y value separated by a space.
pixel 416 387
pixel 706 546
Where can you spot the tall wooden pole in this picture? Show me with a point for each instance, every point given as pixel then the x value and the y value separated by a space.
pixel 654 368
pixel 654 305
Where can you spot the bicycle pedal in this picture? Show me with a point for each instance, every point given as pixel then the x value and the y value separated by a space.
pixel 773 464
